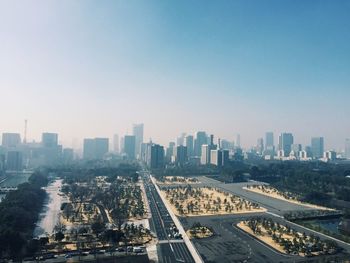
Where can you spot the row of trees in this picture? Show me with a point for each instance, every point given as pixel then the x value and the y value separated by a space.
pixel 291 240
pixel 19 212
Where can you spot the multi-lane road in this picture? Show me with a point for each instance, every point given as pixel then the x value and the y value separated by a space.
pixel 170 249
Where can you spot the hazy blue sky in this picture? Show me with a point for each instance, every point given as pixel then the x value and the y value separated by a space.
pixel 92 68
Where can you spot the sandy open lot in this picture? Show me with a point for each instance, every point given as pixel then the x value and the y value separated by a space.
pixel 192 201
pixel 168 180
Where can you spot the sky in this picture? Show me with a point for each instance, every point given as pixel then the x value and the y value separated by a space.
pixel 93 68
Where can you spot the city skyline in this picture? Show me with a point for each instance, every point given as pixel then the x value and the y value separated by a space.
pixel 227 68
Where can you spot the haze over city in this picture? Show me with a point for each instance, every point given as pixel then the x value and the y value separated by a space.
pixel 87 68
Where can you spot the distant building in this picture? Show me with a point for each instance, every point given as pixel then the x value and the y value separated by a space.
pixel 116 143
pixel 68 155
pixel 303 155
pixel 201 138
pixel 205 157
pixel 170 152
pixel 102 147
pixel 347 148
pixel 190 145
pixel 129 146
pixel 49 140
pixel 14 161
pixel 285 142
pixel 317 147
pixel 269 141
pixel 138 133
pixel 11 140
pixel 330 156
pixel 95 148
pixel 219 157
pixel 238 141
pixel 155 156
pixel 181 155
pixel 296 149
pixel 260 146
pixel 227 145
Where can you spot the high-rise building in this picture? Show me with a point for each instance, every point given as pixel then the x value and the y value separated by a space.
pixel 317 147
pixel 14 161
pixel 102 147
pixel 67 155
pixel 189 145
pixel 285 142
pixel 137 131
pixel 201 138
pixel 330 156
pixel 181 155
pixel 89 149
pixel 269 142
pixel 260 146
pixel 227 145
pixel 95 148
pixel 205 157
pixel 49 140
pixel 155 156
pixel 116 143
pixel 11 140
pixel 169 152
pixel 238 141
pixel 129 146
pixel 347 148
pixel 181 139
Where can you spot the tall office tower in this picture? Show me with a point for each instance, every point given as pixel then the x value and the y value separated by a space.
pixel 169 152
pixel 89 149
pixel 227 145
pixel 189 145
pixel 2 163
pixel 101 147
pixel 121 145
pixel 308 151
pixel 216 157
pixel 68 155
pixel 205 157
pixel 14 161
pixel 155 156
pixel 238 141
pixel 137 131
pixel 317 147
pixel 347 148
pixel 49 140
pixel 11 140
pixel 129 146
pixel 95 148
pixel 225 157
pixel 201 138
pixel 181 139
pixel 181 155
pixel 269 142
pixel 116 143
pixel 285 141
pixel 260 146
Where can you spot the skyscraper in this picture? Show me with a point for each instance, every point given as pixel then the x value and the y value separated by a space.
pixel 285 141
pixel 116 143
pixel 269 142
pixel 49 139
pixel 14 161
pixel 181 155
pixel 137 131
pixel 11 140
pixel 155 156
pixel 189 145
pixel 129 146
pixel 238 141
pixel 95 148
pixel 169 151
pixel 317 147
pixel 347 148
pixel 205 157
pixel 260 146
pixel 201 138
